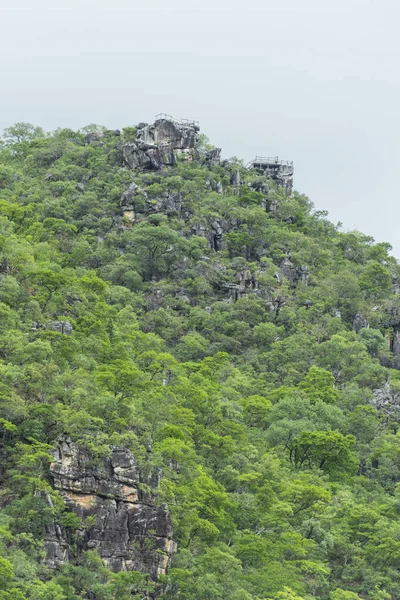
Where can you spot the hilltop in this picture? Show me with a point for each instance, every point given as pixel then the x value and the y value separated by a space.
pixel 200 377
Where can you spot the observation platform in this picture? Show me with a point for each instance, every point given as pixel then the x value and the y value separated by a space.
pixel 280 171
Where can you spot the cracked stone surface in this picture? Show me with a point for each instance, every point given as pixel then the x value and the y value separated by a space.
pixel 130 532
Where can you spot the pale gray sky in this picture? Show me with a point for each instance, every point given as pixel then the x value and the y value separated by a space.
pixel 315 81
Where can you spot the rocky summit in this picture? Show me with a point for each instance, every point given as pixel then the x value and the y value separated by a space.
pixel 199 376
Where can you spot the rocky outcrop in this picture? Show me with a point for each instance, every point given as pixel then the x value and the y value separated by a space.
pixel 129 531
pixel 139 155
pixel 63 327
pixel 235 178
pixel 292 273
pixel 92 137
pixel 395 348
pixel 214 186
pixel 260 185
pixel 387 401
pixel 359 322
pixel 170 203
pixel 213 157
pixel 246 279
pixel 180 135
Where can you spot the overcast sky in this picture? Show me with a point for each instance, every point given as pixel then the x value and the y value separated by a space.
pixel 315 81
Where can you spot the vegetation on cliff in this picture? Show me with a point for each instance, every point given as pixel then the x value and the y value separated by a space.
pixel 219 333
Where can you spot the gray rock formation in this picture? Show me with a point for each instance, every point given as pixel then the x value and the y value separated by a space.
pixel 139 155
pixel 214 186
pixel 61 326
pixel 303 273
pixel 387 401
pixel 216 236
pixel 55 545
pixel 359 322
pixel 246 279
pixel 235 178
pixel 294 274
pixel 129 198
pixel 170 203
pixel 171 132
pixel 395 348
pixel 130 532
pixel 92 137
pixel 213 157
pixel 260 185
pixel 173 203
pixel 246 283
pixel 234 290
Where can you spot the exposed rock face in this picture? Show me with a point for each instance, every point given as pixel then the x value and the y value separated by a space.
pixel 235 178
pixel 130 532
pixel 387 401
pixel 395 348
pixel 171 203
pixel 294 274
pixel 139 155
pixel 246 283
pixel 180 135
pixel 260 185
pixel 359 323
pixel 214 186
pixel 61 326
pixel 92 137
pixel 128 200
pixel 213 157
pixel 246 278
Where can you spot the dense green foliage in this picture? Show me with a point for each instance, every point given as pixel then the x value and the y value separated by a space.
pixel 281 477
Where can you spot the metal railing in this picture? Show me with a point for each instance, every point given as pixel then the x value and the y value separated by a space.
pixel 271 160
pixel 179 121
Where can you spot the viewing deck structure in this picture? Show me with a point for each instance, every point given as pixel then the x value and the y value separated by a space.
pixel 280 171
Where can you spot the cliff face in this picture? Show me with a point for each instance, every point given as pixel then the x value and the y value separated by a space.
pixel 129 532
pixel 156 144
pixel 181 135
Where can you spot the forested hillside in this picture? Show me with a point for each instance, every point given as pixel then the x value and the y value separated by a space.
pixel 187 318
